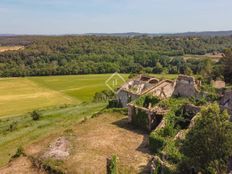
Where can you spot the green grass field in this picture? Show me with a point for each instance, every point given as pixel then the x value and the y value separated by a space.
pixel 21 95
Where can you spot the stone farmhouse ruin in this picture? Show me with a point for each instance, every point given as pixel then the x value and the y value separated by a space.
pixel 144 85
pixel 183 86
pixel 143 94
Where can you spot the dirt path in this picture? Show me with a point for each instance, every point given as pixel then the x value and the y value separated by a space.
pixel 100 138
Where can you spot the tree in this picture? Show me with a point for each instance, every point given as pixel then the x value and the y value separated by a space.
pixel 227 64
pixel 207 146
pixel 158 68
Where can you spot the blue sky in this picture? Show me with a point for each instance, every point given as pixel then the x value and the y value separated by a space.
pixel 112 16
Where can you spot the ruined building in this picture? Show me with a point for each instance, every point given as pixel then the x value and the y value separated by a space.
pixel 226 101
pixel 183 86
pixel 135 88
pixel 145 118
pixel 186 86
pixel 149 117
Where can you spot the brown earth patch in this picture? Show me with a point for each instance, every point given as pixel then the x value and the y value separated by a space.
pixel 100 138
pixel 21 165
pixel 93 142
pixel 11 48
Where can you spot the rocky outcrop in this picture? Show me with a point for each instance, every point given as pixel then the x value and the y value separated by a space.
pixel 59 149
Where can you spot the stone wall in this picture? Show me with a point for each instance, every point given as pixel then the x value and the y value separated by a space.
pixel 163 90
pixel 125 97
pixel 185 86
pixel 145 118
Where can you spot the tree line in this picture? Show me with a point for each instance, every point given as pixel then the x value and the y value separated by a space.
pixel 64 55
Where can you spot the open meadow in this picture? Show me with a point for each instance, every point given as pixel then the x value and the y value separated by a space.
pixel 21 95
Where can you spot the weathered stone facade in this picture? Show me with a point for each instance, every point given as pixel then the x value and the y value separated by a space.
pixel 135 88
pixel 125 97
pixel 186 86
pixel 164 89
pixel 226 102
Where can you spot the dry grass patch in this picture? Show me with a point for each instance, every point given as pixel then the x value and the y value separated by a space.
pixel 100 138
pixel 21 165
pixel 10 48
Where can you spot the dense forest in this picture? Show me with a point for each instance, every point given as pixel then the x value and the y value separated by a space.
pixel 64 55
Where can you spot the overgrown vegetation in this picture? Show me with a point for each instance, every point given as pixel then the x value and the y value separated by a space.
pixel 113 166
pixel 207 146
pixel 35 115
pixel 146 100
pixel 19 152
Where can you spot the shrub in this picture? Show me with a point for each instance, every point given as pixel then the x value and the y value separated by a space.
pixel 12 126
pixel 144 101
pixel 156 142
pixel 114 165
pixel 18 153
pixel 53 166
pixel 35 115
pixel 103 96
pixel 114 104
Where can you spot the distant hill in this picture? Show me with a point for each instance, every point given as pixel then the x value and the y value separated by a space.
pixel 133 34
pixel 7 35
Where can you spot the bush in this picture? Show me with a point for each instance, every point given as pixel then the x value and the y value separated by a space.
pixel 12 126
pixel 144 101
pixel 113 165
pixel 114 104
pixel 156 142
pixel 103 96
pixel 18 153
pixel 35 115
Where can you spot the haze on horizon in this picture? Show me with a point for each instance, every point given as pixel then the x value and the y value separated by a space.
pixel 113 16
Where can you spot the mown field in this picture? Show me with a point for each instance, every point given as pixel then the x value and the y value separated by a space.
pixel 21 95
